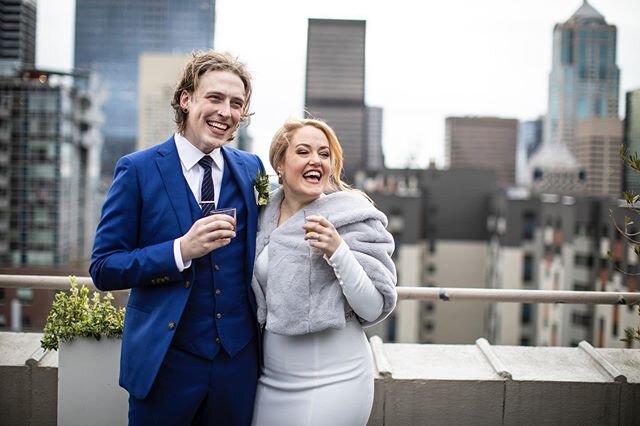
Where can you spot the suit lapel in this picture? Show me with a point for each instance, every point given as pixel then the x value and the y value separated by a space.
pixel 241 174
pixel 168 163
pixel 245 182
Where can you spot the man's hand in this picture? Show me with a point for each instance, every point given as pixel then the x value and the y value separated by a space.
pixel 207 234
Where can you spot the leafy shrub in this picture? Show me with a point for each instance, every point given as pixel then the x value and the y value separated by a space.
pixel 73 314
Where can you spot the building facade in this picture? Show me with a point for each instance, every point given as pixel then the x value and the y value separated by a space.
pixel 598 142
pixel 559 242
pixel 50 144
pixel 374 156
pixel 157 77
pixel 438 219
pixel 17 35
pixel 335 84
pixel 49 151
pixel 632 138
pixel 529 140
pixel 483 142
pixel 110 36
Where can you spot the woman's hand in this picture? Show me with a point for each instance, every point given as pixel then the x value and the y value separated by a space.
pixel 321 234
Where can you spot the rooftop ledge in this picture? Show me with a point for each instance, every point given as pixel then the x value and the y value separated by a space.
pixel 415 384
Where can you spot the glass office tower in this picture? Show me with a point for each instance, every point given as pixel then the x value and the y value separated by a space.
pixel 584 80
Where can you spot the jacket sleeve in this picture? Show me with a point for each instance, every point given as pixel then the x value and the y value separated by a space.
pixel 118 261
pixel 363 297
pixel 372 246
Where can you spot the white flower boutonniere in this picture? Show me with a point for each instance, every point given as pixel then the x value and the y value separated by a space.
pixel 261 189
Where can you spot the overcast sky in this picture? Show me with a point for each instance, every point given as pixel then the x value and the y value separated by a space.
pixel 425 60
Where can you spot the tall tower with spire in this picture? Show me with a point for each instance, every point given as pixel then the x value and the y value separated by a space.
pixel 582 136
pixel 585 81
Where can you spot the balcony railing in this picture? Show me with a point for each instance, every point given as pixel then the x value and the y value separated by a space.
pixel 443 294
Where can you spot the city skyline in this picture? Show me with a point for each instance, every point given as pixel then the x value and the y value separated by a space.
pixel 503 72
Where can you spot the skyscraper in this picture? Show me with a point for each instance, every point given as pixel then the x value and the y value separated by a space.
pixel 632 138
pixel 109 38
pixel 17 35
pixel 584 79
pixel 49 146
pixel 598 142
pixel 374 157
pixel 529 139
pixel 157 76
pixel 483 142
pixel 335 85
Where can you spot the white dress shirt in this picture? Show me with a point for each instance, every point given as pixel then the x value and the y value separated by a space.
pixel 194 173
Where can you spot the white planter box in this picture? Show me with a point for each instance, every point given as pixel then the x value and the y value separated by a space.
pixel 88 390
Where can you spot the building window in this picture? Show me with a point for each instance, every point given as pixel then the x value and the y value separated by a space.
pixel 583 260
pixel 527 268
pixel 581 286
pixel 526 313
pixel 580 319
pixel 528 225
pixel 25 295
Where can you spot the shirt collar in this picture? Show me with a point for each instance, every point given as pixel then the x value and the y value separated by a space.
pixel 190 155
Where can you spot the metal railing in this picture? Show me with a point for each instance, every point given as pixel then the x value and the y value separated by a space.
pixel 444 294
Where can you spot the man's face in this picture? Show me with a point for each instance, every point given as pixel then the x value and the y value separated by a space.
pixel 215 109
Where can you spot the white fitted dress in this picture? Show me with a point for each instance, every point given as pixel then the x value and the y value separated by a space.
pixel 322 378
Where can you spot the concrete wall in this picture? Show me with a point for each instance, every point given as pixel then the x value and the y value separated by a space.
pixel 416 384
pixel 460 385
pixel 460 264
pixel 28 381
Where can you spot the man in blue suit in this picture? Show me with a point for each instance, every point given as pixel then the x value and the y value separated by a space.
pixel 189 346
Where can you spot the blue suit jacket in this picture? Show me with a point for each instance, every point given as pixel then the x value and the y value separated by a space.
pixel 146 209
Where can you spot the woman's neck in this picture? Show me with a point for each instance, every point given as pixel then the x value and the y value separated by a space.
pixel 288 208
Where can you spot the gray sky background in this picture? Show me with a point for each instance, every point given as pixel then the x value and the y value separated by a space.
pixel 425 60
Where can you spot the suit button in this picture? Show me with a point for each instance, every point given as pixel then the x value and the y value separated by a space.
pixel 216 267
pixel 187 284
pixel 218 315
pixel 172 325
pixel 218 291
pixel 217 340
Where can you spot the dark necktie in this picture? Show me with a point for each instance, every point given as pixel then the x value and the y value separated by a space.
pixel 206 191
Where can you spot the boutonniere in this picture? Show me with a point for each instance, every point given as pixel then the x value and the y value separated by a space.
pixel 261 189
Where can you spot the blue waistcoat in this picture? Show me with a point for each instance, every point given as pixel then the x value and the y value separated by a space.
pixel 218 312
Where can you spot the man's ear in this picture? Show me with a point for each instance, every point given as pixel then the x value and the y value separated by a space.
pixel 185 99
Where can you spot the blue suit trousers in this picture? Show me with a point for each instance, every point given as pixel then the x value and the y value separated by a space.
pixel 190 390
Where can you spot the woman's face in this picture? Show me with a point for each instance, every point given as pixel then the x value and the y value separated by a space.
pixel 306 165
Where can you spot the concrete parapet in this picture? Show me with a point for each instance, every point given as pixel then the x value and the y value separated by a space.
pixel 28 381
pixel 420 385
pixel 505 385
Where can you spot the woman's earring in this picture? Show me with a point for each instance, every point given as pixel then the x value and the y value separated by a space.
pixel 185 110
pixel 279 177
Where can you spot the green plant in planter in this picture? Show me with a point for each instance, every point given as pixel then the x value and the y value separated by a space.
pixel 73 314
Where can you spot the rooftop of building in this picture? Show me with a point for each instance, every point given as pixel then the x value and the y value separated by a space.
pixel 587 13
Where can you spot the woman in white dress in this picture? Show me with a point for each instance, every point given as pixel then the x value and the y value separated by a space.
pixel 323 271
